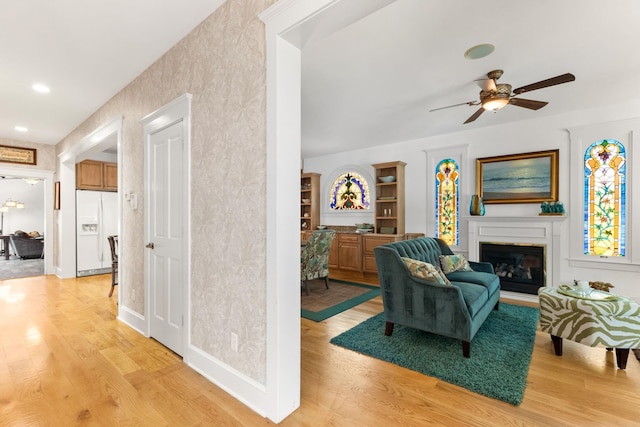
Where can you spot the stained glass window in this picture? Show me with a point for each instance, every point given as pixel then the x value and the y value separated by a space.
pixel 605 199
pixel 349 191
pixel 447 209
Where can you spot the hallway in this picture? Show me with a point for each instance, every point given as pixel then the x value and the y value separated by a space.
pixel 65 360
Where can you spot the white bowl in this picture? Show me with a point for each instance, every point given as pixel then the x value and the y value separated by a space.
pixel 322 227
pixel 306 200
pixel 389 178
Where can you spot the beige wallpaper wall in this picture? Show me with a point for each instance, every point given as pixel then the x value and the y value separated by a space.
pixel 45 155
pixel 222 63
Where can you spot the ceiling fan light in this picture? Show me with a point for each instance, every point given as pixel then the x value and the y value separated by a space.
pixel 10 203
pixel 19 205
pixel 494 104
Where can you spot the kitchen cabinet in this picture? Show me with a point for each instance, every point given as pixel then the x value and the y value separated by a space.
pixel 95 175
pixel 369 242
pixel 349 252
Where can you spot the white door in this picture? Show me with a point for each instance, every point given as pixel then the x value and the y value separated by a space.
pixel 165 255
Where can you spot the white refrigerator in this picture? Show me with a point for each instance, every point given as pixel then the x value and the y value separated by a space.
pixel 96 219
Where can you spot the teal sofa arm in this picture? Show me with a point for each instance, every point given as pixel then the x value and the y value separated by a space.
pixel 485 267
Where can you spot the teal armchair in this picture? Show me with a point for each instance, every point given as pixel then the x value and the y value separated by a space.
pixel 314 257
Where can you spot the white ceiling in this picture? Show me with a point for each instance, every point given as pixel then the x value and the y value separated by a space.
pixel 85 51
pixel 371 83
pixel 375 81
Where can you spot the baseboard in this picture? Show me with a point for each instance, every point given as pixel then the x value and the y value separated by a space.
pixel 133 319
pixel 245 389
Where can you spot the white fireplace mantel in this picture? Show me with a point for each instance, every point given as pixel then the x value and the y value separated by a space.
pixel 537 230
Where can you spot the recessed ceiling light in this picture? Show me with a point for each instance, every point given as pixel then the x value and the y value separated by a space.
pixel 21 129
pixel 479 51
pixel 39 87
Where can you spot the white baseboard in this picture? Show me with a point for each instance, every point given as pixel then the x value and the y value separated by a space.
pixel 245 389
pixel 133 319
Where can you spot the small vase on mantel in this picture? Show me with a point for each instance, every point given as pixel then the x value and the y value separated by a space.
pixel 476 207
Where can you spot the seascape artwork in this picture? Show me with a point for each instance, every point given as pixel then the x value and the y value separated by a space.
pixel 523 178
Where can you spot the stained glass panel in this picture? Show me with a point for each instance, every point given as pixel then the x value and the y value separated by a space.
pixel 447 208
pixel 349 191
pixel 605 199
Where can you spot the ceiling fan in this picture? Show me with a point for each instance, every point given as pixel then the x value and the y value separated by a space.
pixel 494 95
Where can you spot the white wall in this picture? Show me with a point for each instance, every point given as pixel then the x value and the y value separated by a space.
pixel 31 218
pixel 526 136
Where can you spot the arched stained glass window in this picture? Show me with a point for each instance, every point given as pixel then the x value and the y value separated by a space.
pixel 447 208
pixel 605 199
pixel 349 191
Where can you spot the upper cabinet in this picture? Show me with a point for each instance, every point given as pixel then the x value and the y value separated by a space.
pixel 389 210
pixel 94 175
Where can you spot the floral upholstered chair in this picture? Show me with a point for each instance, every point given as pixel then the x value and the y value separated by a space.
pixel 314 257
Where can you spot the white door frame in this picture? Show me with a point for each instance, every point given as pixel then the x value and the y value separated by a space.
pixel 174 112
pixel 290 24
pixel 95 142
pixel 47 176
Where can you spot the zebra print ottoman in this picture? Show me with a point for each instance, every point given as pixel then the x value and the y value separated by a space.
pixel 610 323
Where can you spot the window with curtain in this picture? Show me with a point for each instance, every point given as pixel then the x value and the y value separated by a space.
pixel 446 203
pixel 605 199
pixel 350 191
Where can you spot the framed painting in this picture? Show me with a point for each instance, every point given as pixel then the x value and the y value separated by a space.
pixel 518 178
pixel 26 156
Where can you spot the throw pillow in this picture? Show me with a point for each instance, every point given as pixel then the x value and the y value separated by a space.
pixel 451 263
pixel 424 270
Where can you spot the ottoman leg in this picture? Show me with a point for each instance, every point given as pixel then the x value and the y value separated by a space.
pixel 557 344
pixel 622 354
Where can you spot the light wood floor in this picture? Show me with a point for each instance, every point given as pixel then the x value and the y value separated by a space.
pixel 65 360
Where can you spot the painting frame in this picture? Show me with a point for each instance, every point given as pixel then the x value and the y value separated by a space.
pixel 20 155
pixel 56 195
pixel 538 170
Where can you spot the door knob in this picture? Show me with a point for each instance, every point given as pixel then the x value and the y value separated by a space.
pixel 150 245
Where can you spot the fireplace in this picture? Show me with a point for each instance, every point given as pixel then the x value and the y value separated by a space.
pixel 521 267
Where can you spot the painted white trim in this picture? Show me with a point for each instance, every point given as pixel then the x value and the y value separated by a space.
pixel 47 176
pixel 133 319
pixel 581 138
pixel 289 24
pixel 245 389
pixel 178 110
pixel 96 141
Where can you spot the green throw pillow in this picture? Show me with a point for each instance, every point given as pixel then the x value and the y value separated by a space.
pixel 451 263
pixel 424 270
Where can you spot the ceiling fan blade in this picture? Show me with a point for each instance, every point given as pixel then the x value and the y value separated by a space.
pixel 474 116
pixel 487 84
pixel 455 105
pixel 527 103
pixel 564 78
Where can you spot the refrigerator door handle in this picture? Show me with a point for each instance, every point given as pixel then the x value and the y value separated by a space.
pixel 100 227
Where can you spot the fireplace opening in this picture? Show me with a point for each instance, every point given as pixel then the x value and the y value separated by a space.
pixel 520 267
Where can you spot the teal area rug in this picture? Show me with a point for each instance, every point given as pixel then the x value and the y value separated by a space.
pixel 500 351
pixel 323 303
